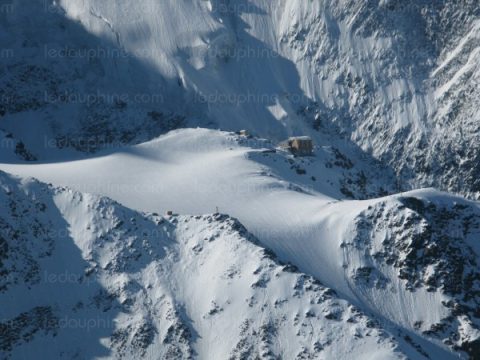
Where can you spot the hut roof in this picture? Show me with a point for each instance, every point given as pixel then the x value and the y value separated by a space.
pixel 304 138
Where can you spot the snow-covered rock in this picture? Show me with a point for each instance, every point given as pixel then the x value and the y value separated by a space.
pixel 415 259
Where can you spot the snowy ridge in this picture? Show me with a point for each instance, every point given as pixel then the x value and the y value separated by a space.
pixel 290 214
pixel 140 286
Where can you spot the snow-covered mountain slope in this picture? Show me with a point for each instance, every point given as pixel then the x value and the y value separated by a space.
pixel 396 78
pixel 92 94
pixel 415 259
pixel 301 220
pixel 84 277
pixel 74 90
